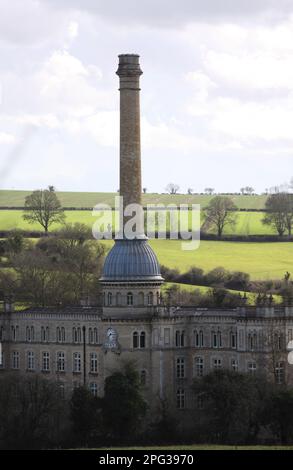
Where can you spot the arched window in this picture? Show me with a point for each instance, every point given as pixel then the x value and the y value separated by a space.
pixel 1 333
pixel 142 340
pixel 28 333
pixel 96 336
pixel 91 336
pixel 141 298
pixel 135 340
pixel 198 339
pixel 109 298
pixel 158 298
pixel 150 298
pixel 118 298
pixel 233 340
pixel 130 298
pixel 180 339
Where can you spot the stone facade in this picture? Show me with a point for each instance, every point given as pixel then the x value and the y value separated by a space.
pixel 170 347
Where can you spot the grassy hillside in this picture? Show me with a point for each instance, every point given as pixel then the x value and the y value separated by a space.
pixel 251 297
pixel 89 199
pixel 260 260
pixel 248 223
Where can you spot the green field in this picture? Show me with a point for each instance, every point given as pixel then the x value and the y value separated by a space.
pixel 251 297
pixel 260 260
pixel 15 198
pixel 248 223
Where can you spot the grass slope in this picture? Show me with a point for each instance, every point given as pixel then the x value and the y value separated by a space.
pixel 260 260
pixel 248 223
pixel 89 199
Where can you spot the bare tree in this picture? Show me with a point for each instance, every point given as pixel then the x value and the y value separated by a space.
pixel 209 191
pixel 172 188
pixel 221 212
pixel 44 207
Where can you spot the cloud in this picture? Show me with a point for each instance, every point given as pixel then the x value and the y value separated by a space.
pixel 171 13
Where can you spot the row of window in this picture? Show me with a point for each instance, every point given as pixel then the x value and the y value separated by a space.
pixel 149 299
pixel 254 341
pixel 59 362
pixel 198 367
pixel 30 334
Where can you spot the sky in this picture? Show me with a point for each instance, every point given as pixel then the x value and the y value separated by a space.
pixel 216 92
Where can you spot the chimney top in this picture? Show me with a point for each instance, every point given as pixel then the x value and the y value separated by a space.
pixel 129 65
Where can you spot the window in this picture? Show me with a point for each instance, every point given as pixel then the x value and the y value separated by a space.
pixel 251 367
pixel 135 340
pixel 14 333
pixel 142 340
pixel 233 340
pixel 76 335
pixel 93 363
pixel 44 334
pixel 217 363
pixel 15 360
pixel 76 362
pixel 198 339
pixel 234 365
pixel 45 361
pixel 93 335
pixel 158 298
pixel 94 388
pixel 110 298
pixel 60 335
pixel 290 335
pixel 1 333
pixel 30 360
pixel 252 341
pixel 150 298
pixel 180 338
pixel 280 373
pixel 30 334
pixel 180 398
pixel 139 340
pixel 129 298
pixel 198 366
pixel 166 335
pixel 278 341
pixel 61 361
pixel 143 377
pixel 216 339
pixel 180 368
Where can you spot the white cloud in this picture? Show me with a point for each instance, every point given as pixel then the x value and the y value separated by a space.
pixel 6 138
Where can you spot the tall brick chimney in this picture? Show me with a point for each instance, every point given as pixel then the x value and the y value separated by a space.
pixel 129 72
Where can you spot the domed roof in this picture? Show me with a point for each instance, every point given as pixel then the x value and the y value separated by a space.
pixel 131 260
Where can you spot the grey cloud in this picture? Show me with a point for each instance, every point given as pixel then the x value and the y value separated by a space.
pixel 178 13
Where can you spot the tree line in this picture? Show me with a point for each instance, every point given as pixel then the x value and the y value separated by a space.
pixel 227 408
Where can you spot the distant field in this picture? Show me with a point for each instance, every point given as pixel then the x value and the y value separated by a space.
pixel 90 199
pixel 251 297
pixel 248 223
pixel 260 260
